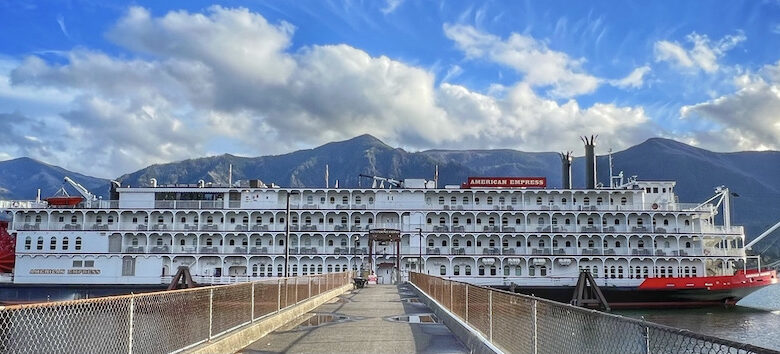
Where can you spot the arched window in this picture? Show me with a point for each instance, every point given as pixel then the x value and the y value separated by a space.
pixel 481 270
pixel 586 201
pixel 506 270
pixel 490 200
pixel 623 200
pixel 27 243
pixel 441 221
pixel 687 244
pixel 640 244
pixel 468 270
pixel 538 200
pixel 330 243
pixel 455 220
pixel 599 201
pixel 687 223
pixel 590 221
pixel 568 243
pixel 541 243
pixel 456 270
pixel 358 200
pixel 563 201
pixel 73 219
pixel 617 244
pixel 182 242
pixel 78 244
pixel 443 270
pixel 65 243
pixel 444 243
pixel 281 242
pixel 468 243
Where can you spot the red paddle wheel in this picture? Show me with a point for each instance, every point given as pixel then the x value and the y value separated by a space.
pixel 7 249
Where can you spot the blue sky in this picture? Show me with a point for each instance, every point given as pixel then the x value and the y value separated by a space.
pixel 152 82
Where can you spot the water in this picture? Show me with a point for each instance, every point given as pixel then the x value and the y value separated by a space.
pixel 756 320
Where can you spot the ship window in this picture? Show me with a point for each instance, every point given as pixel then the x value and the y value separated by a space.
pixel 465 200
pixel 693 271
pixel 430 243
pixel 468 270
pixel 429 221
pixel 444 243
pixel 623 200
pixel 357 220
pixel 541 243
pixel 358 200
pixel 591 244
pixel 344 242
pixel 687 245
pixel 441 221
pixel 567 221
pixel 489 200
pixel 617 221
pixel 78 244
pixel 563 201
pixel 77 264
pixel 647 189
pixel 468 243
pixel 617 244
pixel 182 242
pixel 599 200
pixel 555 243
pixel 61 219
pixel 540 221
pixel 590 221
pixel 479 243
pixel 231 242
pixel 620 272
pixel 555 221
pixel 538 200
pixel 532 271
pixel 586 201
pixel 455 220
pixel 568 243
pixel 441 200
pixel 307 220
pixel 456 270
pixel 543 271
pixel 492 243
pixel 343 220
pixel 27 243
pixel 89 264
pixel 209 219
pixel 160 220
pixel 53 243
pixel 209 242
pixel 639 221
pixel 309 199
pixel 666 222
pixel 481 270
pixel 99 219
pixel 344 200
pixel 468 221
pixel 245 220
pixel 73 219
pixel 491 221
pixel 65 243
pixel 443 270
pixel 281 242
pixel 655 189
pixel 330 243
pixel 479 221
pixel 39 245
pixel 669 270
pixel 370 200
pixel 476 201
pixel 641 244
pixel 605 243
pixel 134 241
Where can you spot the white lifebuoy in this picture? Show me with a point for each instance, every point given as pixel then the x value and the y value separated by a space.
pixel 655 205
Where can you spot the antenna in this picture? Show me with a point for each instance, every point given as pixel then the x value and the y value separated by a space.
pixel 611 175
pixel 436 177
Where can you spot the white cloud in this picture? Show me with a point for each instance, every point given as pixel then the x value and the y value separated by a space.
pixel 541 66
pixel 749 118
pixel 391 5
pixel 196 82
pixel 633 80
pixel 703 54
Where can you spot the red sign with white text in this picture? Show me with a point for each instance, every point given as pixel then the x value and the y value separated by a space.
pixel 506 182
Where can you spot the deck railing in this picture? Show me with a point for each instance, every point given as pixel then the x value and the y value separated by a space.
pixel 158 322
pixel 516 323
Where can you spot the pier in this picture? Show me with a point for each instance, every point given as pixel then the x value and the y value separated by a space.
pixel 324 313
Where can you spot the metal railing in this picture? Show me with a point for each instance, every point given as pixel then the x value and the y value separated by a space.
pixel 516 323
pixel 159 322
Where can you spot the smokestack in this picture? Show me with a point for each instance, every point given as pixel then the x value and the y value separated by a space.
pixel 590 161
pixel 566 169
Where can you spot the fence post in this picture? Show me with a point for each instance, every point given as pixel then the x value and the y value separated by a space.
pixel 252 319
pixel 308 281
pixel 211 310
pixel 278 295
pixel 647 339
pixel 130 331
pixel 467 303
pixel 536 330
pixel 490 314
pixel 452 306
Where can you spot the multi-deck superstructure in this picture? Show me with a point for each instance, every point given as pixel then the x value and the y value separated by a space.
pixel 634 237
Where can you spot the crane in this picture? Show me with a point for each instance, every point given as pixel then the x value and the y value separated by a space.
pixel 760 237
pixel 391 182
pixel 89 198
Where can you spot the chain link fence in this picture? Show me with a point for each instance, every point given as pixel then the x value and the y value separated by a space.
pixel 516 323
pixel 159 322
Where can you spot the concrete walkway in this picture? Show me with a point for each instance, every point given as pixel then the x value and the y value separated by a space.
pixel 360 324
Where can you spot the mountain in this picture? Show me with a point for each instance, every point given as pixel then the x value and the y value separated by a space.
pixel 20 179
pixel 752 175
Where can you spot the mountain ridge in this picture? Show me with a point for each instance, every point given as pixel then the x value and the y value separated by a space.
pixel 750 174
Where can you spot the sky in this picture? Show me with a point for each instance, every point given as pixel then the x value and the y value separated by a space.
pixel 106 88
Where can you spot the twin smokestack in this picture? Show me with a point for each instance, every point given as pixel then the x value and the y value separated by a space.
pixel 590 164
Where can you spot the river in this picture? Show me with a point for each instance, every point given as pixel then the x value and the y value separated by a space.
pixel 756 319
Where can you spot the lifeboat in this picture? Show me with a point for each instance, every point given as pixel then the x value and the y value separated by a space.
pixel 62 199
